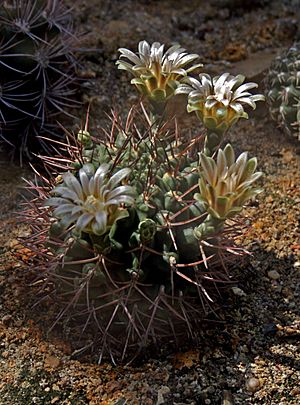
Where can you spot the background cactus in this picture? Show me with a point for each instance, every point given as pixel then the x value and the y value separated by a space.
pixel 282 85
pixel 138 232
pixel 36 70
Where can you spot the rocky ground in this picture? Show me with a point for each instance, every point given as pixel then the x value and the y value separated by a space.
pixel 252 355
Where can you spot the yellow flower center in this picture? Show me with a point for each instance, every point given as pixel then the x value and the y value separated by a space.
pixel 93 204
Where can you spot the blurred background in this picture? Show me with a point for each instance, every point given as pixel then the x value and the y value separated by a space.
pixel 238 36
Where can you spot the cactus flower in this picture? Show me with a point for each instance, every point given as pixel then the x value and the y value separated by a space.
pixel 157 73
pixel 219 101
pixel 91 203
pixel 226 184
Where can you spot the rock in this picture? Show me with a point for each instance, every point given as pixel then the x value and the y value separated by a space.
pixel 87 74
pixel 287 293
pixel 234 52
pixel 164 390
pixel 52 361
pixel 295 391
pixel 270 329
pixel 273 275
pixel 227 398
pixel 121 401
pixel 5 354
pixel 238 291
pixel 7 319
pixel 252 384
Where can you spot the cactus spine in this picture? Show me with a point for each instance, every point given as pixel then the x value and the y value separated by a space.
pixel 139 227
pixel 283 91
pixel 37 71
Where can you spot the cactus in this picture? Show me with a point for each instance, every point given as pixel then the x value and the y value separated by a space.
pixel 91 202
pixel 137 232
pixel 37 69
pixel 282 85
pixel 225 185
pixel 218 102
pixel 157 74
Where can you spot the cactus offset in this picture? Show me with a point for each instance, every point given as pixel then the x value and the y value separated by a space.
pixel 282 85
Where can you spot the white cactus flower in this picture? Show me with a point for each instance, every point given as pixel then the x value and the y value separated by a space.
pixel 157 73
pixel 219 102
pixel 226 184
pixel 93 202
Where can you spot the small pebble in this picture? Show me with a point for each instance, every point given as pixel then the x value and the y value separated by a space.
pixel 227 398
pixel 295 391
pixel 270 329
pixel 6 320
pixel 52 361
pixel 87 74
pixel 273 275
pixel 238 291
pixel 252 384
pixel 160 394
pixel 287 292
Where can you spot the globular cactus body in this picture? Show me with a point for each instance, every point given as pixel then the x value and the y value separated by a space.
pixel 138 228
pixel 283 91
pixel 144 255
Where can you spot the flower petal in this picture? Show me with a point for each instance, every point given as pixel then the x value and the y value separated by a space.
pixel 126 53
pixel 83 221
pixel 118 177
pixel 72 183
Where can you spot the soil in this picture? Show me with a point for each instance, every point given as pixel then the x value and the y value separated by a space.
pixel 251 356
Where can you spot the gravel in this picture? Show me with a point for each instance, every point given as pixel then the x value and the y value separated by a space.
pixel 251 355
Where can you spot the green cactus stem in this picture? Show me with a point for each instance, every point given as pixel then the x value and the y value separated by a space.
pixel 138 229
